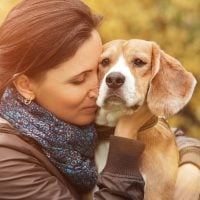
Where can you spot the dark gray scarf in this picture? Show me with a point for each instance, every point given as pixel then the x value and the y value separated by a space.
pixel 70 148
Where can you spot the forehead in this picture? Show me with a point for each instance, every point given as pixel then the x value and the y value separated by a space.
pixel 126 47
pixel 137 46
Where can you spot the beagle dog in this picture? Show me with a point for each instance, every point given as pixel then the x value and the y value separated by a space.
pixel 137 73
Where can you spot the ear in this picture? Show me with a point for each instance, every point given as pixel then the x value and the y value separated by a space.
pixel 171 86
pixel 24 87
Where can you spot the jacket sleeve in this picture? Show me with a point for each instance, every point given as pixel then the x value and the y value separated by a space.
pixel 121 178
pixel 189 168
pixel 22 177
pixel 189 149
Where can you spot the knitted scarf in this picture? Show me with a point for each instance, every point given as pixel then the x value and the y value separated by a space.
pixel 69 147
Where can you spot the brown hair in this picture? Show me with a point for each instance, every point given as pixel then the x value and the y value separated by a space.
pixel 40 34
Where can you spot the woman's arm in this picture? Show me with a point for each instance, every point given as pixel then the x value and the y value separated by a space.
pixel 189 149
pixel 121 178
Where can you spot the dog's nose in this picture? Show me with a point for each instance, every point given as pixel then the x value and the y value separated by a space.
pixel 115 80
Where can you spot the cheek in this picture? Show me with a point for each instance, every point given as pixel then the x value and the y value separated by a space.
pixel 142 84
pixel 60 98
pixel 71 97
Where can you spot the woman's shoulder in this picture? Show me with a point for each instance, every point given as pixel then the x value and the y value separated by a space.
pixel 12 139
pixel 27 170
pixel 14 144
pixel 16 147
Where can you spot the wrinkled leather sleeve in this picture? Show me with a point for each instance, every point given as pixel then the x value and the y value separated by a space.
pixel 121 178
pixel 189 148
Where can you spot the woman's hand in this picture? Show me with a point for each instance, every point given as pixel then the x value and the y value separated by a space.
pixel 188 183
pixel 128 125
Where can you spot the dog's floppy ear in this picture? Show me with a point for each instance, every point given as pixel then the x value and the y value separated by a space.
pixel 171 86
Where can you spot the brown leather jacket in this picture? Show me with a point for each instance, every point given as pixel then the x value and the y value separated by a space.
pixel 27 174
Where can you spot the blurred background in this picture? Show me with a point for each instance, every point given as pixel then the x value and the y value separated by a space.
pixel 173 24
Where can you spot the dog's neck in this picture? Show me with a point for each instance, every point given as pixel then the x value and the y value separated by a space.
pixel 144 118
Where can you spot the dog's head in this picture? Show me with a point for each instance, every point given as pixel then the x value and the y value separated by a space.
pixel 137 71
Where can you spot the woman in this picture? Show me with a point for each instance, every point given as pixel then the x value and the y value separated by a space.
pixel 49 54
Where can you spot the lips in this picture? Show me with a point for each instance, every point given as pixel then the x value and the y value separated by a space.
pixel 90 109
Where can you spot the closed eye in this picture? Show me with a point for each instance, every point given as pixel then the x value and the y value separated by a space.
pixel 77 80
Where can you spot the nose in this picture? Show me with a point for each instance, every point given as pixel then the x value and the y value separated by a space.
pixel 93 86
pixel 115 80
pixel 93 93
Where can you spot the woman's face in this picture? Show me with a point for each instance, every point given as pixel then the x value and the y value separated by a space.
pixel 70 90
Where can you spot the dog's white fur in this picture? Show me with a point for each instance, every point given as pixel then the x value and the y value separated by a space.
pixel 128 88
pixel 127 91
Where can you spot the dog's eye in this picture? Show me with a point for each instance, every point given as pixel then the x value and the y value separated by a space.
pixel 138 62
pixel 105 62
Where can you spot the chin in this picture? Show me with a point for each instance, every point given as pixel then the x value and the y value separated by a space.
pixel 85 120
